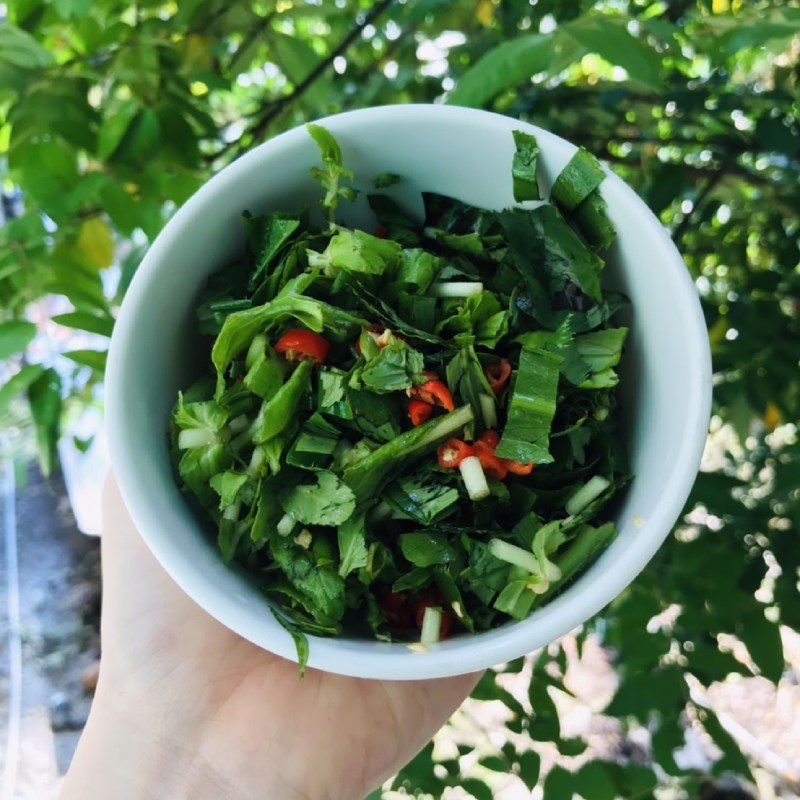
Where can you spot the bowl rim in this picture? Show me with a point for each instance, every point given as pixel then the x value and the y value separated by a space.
pixel 463 654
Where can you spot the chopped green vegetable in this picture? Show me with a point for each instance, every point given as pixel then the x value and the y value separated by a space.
pixel 387 179
pixel 592 220
pixel 531 409
pixel 370 474
pixel 277 412
pixel 395 367
pixel 357 251
pixel 327 470
pixel 523 168
pixel 582 175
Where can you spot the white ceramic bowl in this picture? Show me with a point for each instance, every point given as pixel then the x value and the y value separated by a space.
pixel 461 152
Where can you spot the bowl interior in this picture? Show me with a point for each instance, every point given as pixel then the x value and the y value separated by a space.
pixel 458 152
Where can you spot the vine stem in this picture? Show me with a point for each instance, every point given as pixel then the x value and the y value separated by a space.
pixel 260 126
pixel 709 187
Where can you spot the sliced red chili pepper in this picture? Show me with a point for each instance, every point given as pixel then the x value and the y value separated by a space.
pixel 419 412
pixel 298 344
pixel 446 624
pixel 380 231
pixel 435 392
pixel 493 466
pixel 397 608
pixel 490 437
pixel 498 374
pixel 453 452
pixel 518 468
pixel 485 446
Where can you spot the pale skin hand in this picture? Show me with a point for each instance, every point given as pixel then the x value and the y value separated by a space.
pixel 187 709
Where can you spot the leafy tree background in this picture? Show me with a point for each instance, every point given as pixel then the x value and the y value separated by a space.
pixel 112 114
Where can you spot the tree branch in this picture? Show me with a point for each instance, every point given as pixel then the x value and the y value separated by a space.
pixel 701 198
pixel 281 104
pixel 251 36
pixel 634 161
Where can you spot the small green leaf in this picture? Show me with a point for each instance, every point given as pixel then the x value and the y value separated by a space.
pixel 559 784
pixel 114 127
pixel 478 789
pixel 733 760
pixel 15 336
pixel 299 638
pixel 763 641
pixel 529 766
pixel 663 690
pixel 18 47
pixel 17 384
pixel 545 724
pixel 352 547
pixel 297 59
pixel 523 168
pixel 95 359
pixel 594 781
pixel 609 38
pixel 326 502
pixel 84 321
pixel 44 396
pixel 508 64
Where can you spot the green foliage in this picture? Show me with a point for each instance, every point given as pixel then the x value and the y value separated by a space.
pixel 111 114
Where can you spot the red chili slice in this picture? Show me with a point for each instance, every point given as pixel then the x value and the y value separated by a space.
pixel 453 452
pixel 433 391
pixel 485 445
pixel 380 231
pixel 299 344
pixel 419 412
pixel 498 374
pixel 493 465
pixel 491 438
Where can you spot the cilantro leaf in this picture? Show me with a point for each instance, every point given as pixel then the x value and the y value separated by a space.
pixel 328 501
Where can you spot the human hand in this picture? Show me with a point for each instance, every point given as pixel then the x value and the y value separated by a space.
pixel 186 708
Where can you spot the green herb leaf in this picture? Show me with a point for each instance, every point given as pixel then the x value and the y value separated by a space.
pixel 277 412
pixel 333 171
pixel 327 502
pixel 298 637
pixel 357 251
pixel 427 548
pixel 393 368
pixel 424 498
pixel 541 236
pixel 352 546
pixel 267 235
pixel 227 485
